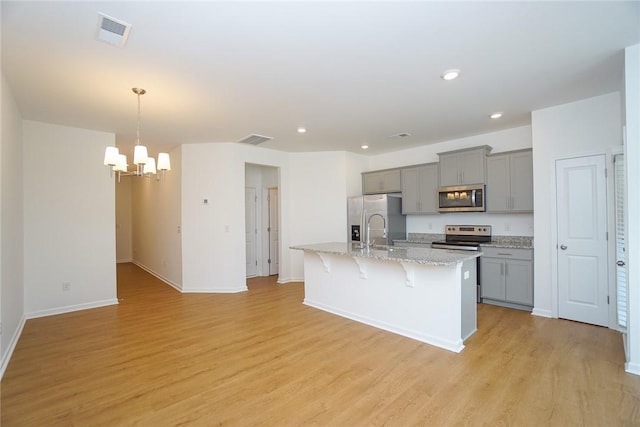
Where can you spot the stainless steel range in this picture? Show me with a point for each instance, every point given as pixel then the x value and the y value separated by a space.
pixel 467 238
pixel 464 237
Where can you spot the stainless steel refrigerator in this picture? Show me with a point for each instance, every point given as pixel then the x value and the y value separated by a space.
pixel 381 213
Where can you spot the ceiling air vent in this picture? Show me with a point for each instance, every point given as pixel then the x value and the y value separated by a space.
pixel 112 31
pixel 401 135
pixel 254 139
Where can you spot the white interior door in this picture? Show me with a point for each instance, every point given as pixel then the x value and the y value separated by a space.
pixel 274 232
pixel 582 239
pixel 250 230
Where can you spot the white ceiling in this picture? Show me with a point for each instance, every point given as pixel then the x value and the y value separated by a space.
pixel 352 73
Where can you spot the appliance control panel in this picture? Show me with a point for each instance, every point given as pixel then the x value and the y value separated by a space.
pixel 468 230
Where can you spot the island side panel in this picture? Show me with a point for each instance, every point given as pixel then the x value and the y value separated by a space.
pixel 429 311
pixel 469 298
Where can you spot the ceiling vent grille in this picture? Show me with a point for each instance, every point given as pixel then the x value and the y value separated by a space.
pixel 401 135
pixel 112 31
pixel 254 139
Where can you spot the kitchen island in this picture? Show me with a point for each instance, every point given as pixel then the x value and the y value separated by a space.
pixel 421 293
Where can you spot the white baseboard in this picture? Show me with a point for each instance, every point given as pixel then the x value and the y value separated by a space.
pixel 214 290
pixel 542 313
pixel 70 308
pixel 454 346
pixel 12 346
pixel 632 368
pixel 283 280
pixel 158 276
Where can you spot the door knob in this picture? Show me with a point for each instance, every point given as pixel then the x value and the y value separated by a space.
pixel 620 264
pixel 563 247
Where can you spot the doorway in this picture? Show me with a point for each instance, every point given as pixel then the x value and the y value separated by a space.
pixel 582 240
pixel 262 219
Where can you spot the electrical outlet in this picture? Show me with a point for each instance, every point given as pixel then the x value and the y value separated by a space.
pixel 66 286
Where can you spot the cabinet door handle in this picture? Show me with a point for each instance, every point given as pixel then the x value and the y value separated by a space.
pixel 504 254
pixel 620 264
pixel 563 247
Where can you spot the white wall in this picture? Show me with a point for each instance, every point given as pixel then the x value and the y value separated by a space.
pixel 319 189
pixel 516 224
pixel 124 220
pixel 156 218
pixel 503 225
pixel 355 164
pixel 69 219
pixel 632 158
pixel 504 140
pixel 312 189
pixel 586 127
pixel 11 226
pixel 213 235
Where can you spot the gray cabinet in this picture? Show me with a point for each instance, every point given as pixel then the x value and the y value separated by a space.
pixel 419 189
pixel 510 182
pixel 463 167
pixel 385 181
pixel 506 277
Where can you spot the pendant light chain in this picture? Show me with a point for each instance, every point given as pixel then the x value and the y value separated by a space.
pixel 138 130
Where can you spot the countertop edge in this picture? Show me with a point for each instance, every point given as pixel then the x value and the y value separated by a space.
pixel 460 256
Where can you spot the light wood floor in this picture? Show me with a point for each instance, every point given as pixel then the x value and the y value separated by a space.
pixel 261 357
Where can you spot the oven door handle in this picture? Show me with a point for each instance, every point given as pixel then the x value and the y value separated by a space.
pixel 473 198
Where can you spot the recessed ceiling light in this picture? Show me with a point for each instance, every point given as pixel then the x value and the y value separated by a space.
pixel 496 115
pixel 301 130
pixel 364 147
pixel 450 74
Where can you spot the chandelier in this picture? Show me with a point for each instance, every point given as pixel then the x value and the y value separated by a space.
pixel 145 165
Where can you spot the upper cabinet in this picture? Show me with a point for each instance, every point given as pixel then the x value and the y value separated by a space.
pixel 462 167
pixel 385 181
pixel 510 182
pixel 419 189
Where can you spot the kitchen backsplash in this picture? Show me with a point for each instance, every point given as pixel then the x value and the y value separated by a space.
pixel 501 224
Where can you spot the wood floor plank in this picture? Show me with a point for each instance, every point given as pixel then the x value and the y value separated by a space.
pixel 263 358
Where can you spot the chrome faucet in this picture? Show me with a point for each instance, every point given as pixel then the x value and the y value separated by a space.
pixel 384 229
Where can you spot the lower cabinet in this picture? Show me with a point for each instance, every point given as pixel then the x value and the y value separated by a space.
pixel 506 277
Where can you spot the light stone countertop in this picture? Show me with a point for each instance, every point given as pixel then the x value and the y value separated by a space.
pixel 510 242
pixel 425 256
pixel 507 242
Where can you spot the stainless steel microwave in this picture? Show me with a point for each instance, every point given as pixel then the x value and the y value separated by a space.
pixel 462 198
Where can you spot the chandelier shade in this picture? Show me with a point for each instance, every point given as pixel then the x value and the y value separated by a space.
pixel 145 165
pixel 164 163
pixel 111 156
pixel 140 155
